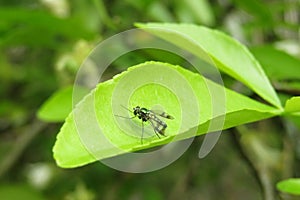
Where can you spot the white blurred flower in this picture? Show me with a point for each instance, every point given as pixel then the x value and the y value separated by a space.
pixel 39 174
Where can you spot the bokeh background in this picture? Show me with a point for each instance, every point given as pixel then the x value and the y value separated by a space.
pixel 43 43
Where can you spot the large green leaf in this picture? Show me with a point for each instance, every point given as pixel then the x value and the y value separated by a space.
pixel 92 131
pixel 226 53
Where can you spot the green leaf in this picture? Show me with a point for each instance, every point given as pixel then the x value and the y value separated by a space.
pixel 293 105
pixel 226 53
pixel 277 64
pixel 92 131
pixel 59 105
pixel 291 186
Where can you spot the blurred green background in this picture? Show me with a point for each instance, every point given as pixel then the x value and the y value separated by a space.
pixel 42 45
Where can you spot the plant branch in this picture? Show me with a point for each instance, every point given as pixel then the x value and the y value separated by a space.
pixel 20 145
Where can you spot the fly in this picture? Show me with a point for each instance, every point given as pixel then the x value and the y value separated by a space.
pixel 151 116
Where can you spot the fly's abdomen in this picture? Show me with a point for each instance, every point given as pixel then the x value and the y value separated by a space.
pixel 165 115
pixel 159 125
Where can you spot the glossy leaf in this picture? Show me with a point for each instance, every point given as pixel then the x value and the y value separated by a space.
pixel 92 127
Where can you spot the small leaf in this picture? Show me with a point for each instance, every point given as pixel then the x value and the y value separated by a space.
pixel 226 53
pixel 293 105
pixel 92 131
pixel 59 105
pixel 291 186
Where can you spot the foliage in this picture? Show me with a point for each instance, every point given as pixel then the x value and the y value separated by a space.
pixel 43 44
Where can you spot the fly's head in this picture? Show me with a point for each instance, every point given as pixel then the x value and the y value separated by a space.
pixel 136 111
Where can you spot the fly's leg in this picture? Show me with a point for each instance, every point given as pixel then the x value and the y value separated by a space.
pixel 142 132
pixel 125 117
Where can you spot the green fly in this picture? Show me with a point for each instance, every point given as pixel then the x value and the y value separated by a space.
pixel 151 116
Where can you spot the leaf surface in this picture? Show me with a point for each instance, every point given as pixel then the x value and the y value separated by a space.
pixel 93 131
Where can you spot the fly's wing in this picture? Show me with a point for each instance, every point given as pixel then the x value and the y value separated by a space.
pixel 161 113
pixel 158 125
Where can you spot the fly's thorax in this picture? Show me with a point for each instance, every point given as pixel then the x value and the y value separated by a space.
pixel 141 113
pixel 144 111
